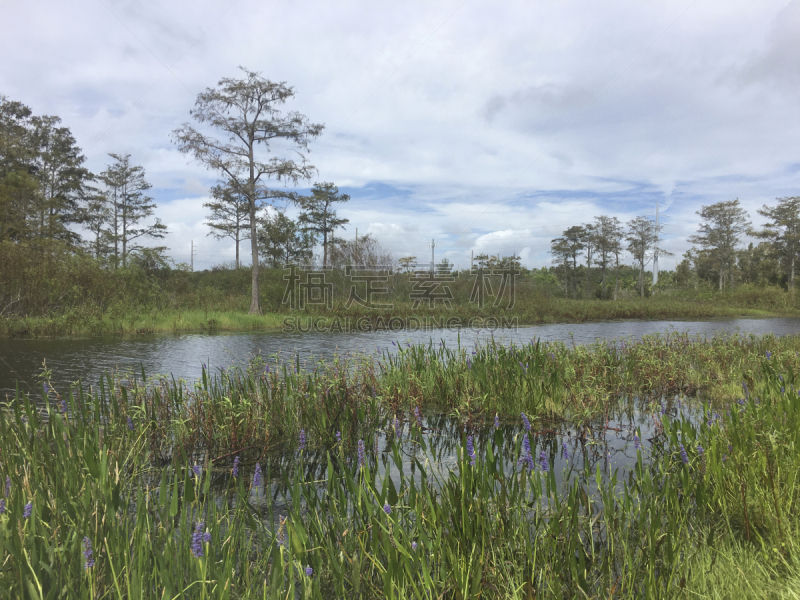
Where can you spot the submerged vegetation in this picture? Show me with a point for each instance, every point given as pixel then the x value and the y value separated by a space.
pixel 430 473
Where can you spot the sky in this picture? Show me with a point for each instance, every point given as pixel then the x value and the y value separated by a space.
pixel 489 127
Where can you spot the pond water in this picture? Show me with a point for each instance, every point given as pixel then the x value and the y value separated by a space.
pixel 182 355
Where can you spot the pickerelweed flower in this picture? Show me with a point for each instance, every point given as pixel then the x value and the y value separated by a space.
pixel 769 354
pixel 8 485
pixel 27 510
pixel 302 439
pixel 684 456
pixel 418 416
pixel 63 406
pixel 526 458
pixel 257 476
pixel 2 506
pixel 470 450
pixel 413 545
pixel 637 444
pixel 338 437
pixel 87 553
pixel 309 571
pixel 236 466
pixel 663 408
pixel 46 389
pixel 469 364
pixel 496 422
pixel 361 458
pixel 196 470
pixel 266 369
pixel 543 462
pixel 130 424
pixel 564 451
pixel 526 422
pixel 199 537
pixel 398 428
pixel 387 509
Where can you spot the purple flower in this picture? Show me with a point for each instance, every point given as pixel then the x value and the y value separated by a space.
pixel 2 506
pixel 198 537
pixel 684 456
pixel 338 437
pixel 387 509
pixel 526 422
pixel 393 344
pixel 46 389
pixel 663 408
pixel 27 510
pixel 302 439
pixel 496 422
pixel 398 428
pixel 769 354
pixel 8 485
pixel 418 416
pixel 130 424
pixel 63 406
pixel 470 450
pixel 413 545
pixel 236 466
pixel 469 364
pixel 257 476
pixel 543 462
pixel 637 444
pixel 361 459
pixel 309 571
pixel 87 553
pixel 266 369
pixel 196 470
pixel 564 450
pixel 526 457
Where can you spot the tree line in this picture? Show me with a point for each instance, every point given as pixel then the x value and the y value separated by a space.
pixel 717 257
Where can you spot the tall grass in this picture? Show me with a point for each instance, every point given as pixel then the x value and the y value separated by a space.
pixel 708 507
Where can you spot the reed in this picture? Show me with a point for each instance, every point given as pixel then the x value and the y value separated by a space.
pixel 144 487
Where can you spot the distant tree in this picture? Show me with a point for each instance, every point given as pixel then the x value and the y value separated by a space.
pixel 128 206
pixel 589 240
pixel 608 241
pixel 318 215
pixel 18 191
pixel 719 233
pixel 17 149
pixel 96 217
pixel 57 166
pixel 783 232
pixel 562 253
pixel 282 241
pixel 641 237
pixel 575 237
pixel 246 111
pixel 407 262
pixel 230 214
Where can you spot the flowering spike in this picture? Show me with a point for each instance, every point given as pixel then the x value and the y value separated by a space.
pixel 387 509
pixel 257 476
pixel 526 422
pixel 543 462
pixel 470 450
pixel 361 458
pixel 302 439
pixel 87 553
pixel 236 466
pixel 27 510
pixel 684 456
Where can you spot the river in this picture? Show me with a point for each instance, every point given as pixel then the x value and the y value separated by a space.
pixel 182 355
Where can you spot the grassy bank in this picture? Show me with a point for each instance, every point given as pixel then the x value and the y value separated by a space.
pixel 541 310
pixel 136 490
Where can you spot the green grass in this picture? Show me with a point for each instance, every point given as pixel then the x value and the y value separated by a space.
pixel 721 523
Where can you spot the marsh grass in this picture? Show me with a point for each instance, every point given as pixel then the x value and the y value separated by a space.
pixel 707 509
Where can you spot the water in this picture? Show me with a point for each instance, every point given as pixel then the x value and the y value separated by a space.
pixel 182 355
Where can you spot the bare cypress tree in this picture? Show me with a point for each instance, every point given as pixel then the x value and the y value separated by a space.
pixel 641 237
pixel 246 112
pixel 318 215
pixel 608 242
pixel 230 214
pixel 128 206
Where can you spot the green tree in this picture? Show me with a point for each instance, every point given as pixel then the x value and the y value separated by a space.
pixel 128 206
pixel 282 241
pixel 561 250
pixel 318 215
pixel 407 262
pixel 230 214
pixel 57 164
pixel 783 232
pixel 247 111
pixel 719 233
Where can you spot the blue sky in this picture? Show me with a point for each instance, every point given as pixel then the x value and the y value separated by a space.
pixel 488 126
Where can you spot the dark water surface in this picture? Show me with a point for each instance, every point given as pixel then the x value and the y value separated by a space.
pixel 182 355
